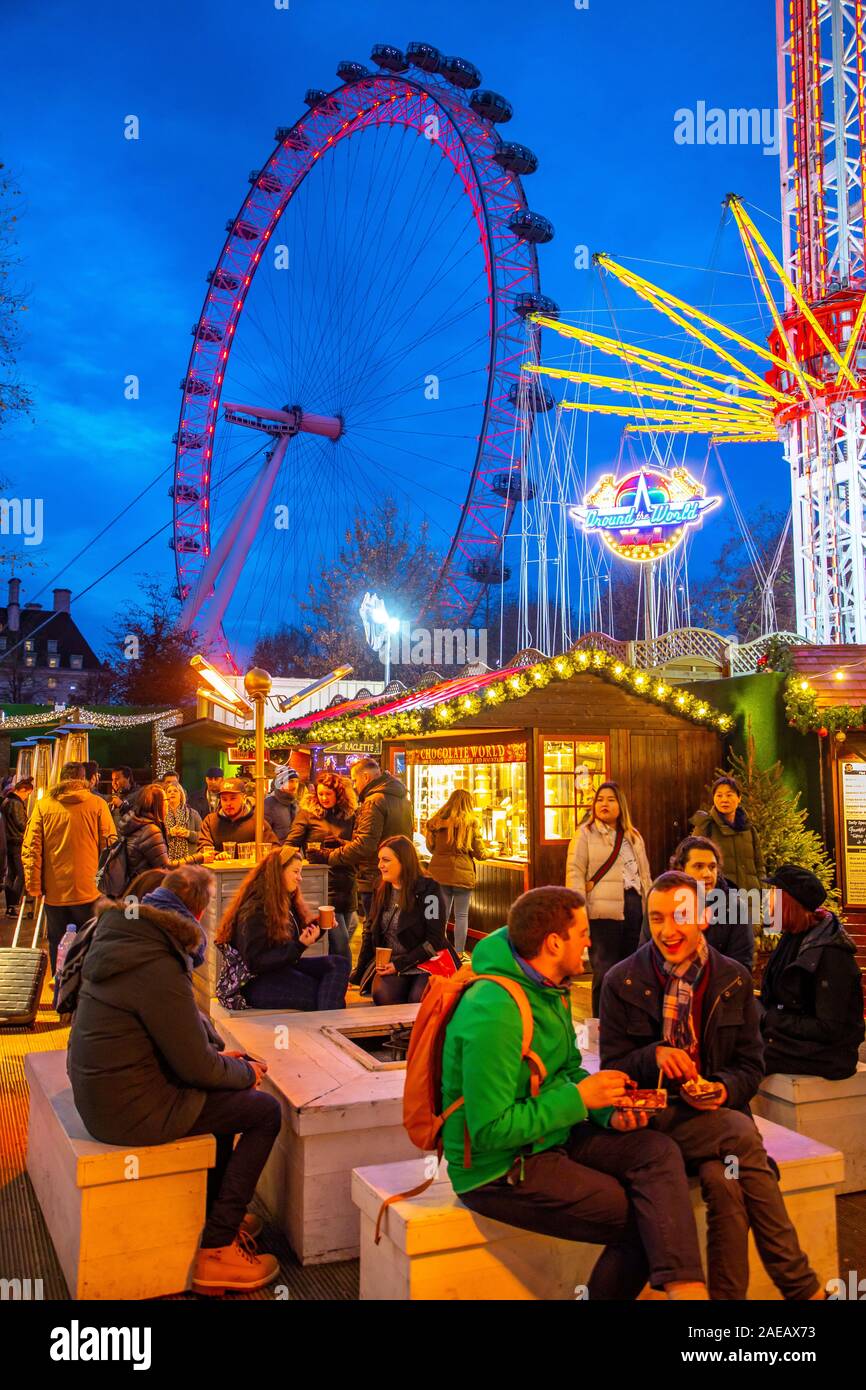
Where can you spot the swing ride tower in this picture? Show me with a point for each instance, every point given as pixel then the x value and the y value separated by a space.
pixel 822 104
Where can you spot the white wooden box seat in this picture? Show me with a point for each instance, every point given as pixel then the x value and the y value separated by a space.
pixel 337 1114
pixel 434 1247
pixel 833 1112
pixel 125 1220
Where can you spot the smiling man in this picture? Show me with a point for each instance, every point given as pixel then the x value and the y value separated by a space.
pixel 679 1010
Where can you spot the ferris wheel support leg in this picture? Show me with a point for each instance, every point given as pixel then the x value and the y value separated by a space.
pixel 217 558
pixel 251 521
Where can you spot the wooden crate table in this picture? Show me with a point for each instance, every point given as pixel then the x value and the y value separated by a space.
pixel 433 1247
pixel 336 1114
pixel 125 1220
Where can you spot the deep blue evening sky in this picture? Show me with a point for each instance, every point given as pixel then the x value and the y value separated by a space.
pixel 118 235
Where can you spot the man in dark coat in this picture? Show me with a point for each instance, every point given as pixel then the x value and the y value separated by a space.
pixel 730 928
pixel 207 798
pixel 235 820
pixel 14 813
pixel 146 1069
pixel 281 806
pixel 679 1010
pixel 384 809
pixel 124 795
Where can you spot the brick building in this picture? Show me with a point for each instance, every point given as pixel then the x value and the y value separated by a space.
pixel 44 659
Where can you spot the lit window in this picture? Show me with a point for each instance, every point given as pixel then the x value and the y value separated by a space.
pixel 30 661
pixel 53 662
pixel 29 645
pixel 573 770
pixel 76 662
pixel 51 683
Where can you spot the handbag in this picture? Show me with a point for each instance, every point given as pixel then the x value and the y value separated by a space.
pixel 234 974
pixel 608 863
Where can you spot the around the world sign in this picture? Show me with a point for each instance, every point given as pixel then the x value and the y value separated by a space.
pixel 645 514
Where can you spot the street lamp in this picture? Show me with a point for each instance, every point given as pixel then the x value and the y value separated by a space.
pixel 217 691
pixel 383 619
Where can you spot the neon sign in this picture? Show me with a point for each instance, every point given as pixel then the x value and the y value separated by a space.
pixel 646 514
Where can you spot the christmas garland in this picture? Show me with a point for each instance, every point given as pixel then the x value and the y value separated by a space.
pixel 801 709
pixel 376 727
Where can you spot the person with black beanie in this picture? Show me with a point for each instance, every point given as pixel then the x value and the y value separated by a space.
pixel 812 991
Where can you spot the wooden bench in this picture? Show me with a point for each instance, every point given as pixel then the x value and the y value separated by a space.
pixel 125 1220
pixel 433 1247
pixel 833 1112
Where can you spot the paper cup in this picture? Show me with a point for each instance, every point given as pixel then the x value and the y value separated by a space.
pixel 326 917
pixel 383 956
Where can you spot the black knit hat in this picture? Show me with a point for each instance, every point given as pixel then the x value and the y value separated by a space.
pixel 801 885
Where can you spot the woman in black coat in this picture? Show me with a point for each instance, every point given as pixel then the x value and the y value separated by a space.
pixel 263 938
pixel 409 915
pixel 145 833
pixel 325 821
pixel 812 991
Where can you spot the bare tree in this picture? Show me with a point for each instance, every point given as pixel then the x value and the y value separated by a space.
pixel 15 397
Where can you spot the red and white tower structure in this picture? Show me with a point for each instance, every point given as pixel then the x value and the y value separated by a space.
pixel 823 157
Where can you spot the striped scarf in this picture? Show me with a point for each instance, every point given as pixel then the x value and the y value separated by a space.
pixel 678 1028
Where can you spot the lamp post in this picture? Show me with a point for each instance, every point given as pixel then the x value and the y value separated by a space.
pixel 257 684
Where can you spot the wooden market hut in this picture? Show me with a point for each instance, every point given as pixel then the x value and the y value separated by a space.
pixel 531 743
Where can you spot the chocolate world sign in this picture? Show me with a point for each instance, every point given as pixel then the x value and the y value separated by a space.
pixel 646 514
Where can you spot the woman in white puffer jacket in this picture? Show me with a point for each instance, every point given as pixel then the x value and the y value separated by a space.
pixel 615 896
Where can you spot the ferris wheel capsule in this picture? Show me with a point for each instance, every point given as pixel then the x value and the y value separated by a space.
pixel 491 106
pixel 531 226
pixel 385 55
pixel 461 73
pixel 526 304
pixel 424 56
pixel 352 72
pixel 517 159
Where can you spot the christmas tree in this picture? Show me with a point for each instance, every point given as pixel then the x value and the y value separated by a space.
pixel 780 821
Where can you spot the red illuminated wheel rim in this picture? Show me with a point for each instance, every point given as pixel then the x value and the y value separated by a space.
pixel 372 275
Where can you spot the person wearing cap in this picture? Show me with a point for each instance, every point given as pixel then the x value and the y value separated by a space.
pixel 234 820
pixel 14 813
pixel 281 806
pixel 207 799
pixel 812 991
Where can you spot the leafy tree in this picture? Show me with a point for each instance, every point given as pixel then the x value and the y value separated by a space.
pixel 729 600
pixel 149 654
pixel 15 398
pixel 290 651
pixel 380 554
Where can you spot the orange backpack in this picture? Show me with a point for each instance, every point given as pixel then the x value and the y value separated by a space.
pixel 423 1115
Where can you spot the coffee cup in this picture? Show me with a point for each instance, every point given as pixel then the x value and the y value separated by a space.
pixel 383 956
pixel 326 917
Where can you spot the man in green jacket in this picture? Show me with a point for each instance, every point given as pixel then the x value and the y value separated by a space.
pixel 564 1162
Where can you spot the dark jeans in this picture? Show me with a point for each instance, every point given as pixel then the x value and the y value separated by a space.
pixel 57 919
pixel 611 942
pixel 623 1191
pixel 13 883
pixel 709 1142
pixel 255 1116
pixel 399 989
pixel 317 983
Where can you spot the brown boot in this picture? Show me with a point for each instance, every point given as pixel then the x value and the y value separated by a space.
pixel 234 1268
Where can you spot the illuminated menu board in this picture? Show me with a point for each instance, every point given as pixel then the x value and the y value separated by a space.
pixel 853 779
